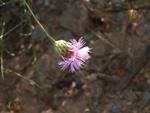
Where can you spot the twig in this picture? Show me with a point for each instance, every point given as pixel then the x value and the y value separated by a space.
pixel 101 36
pixel 134 70
pixel 143 7
pixel 105 77
pixel 108 78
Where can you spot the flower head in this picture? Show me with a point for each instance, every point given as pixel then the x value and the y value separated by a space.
pixel 60 46
pixel 75 55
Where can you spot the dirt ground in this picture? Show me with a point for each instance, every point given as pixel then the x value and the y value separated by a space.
pixel 117 42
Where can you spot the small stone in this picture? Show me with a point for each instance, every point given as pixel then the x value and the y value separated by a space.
pixel 98 48
pixel 145 99
pixel 66 35
pixel 87 110
pixel 38 33
pixel 100 3
pixel 43 63
pixel 142 71
pixel 47 2
pixel 120 16
pixel 116 107
pixel 142 20
pixel 129 96
pixel 39 2
pixel 147 30
pixel 95 64
pixel 148 82
pixel 96 90
pixel 129 60
pixel 88 36
pixel 74 19
pixel 117 3
pixel 47 111
pixel 92 77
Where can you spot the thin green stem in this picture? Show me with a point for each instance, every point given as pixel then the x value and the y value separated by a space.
pixel 52 40
pixel 35 84
pixel 34 55
pixel 1 44
pixel 13 28
pixel 34 61
pixel 30 81
pixel 6 3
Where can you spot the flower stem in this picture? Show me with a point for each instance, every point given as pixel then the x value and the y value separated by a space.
pixel 51 39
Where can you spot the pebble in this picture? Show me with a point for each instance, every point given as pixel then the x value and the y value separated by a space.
pixel 47 2
pixel 145 99
pixel 74 19
pixel 120 16
pixel 117 3
pixel 89 36
pixel 65 35
pixel 38 33
pixel 47 111
pixel 86 110
pixel 95 64
pixel 43 63
pixel 129 96
pixel 116 107
pixel 39 2
pixel 98 48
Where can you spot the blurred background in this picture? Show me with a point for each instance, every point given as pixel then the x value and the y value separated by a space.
pixel 118 31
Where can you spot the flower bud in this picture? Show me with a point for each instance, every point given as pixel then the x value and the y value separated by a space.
pixel 60 47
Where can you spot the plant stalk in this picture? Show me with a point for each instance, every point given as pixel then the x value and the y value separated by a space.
pixel 51 39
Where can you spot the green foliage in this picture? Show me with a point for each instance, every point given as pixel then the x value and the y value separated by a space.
pixel 25 18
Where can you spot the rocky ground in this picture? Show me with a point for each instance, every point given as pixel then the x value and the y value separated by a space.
pixel 116 42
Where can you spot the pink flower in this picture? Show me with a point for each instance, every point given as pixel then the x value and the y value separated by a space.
pixel 75 55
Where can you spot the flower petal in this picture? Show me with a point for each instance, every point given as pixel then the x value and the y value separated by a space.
pixel 83 53
pixel 76 61
pixel 63 64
